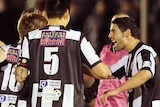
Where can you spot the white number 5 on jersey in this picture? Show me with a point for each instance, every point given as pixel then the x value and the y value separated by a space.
pixel 51 60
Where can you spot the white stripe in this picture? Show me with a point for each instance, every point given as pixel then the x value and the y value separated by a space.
pixel 34 94
pixel 4 104
pixel 22 103
pixel 45 100
pixel 74 35
pixel 36 34
pixel 118 64
pixel 149 49
pixel 25 48
pixel 156 103
pixel 142 64
pixel 89 52
pixel 68 96
pixel 7 71
pixel 137 102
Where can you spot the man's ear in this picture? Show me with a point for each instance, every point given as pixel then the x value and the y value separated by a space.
pixel 44 13
pixel 66 14
pixel 127 32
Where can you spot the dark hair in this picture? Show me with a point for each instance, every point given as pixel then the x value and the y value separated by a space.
pixel 128 23
pixel 56 8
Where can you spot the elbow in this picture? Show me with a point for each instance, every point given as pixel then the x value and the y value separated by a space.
pixel 107 75
pixel 104 75
pixel 102 71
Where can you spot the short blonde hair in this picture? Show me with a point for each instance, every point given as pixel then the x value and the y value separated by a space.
pixel 30 20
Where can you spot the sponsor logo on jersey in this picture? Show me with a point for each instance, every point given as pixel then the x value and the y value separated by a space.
pixel 43 83
pixel 13 55
pixel 53 38
pixel 2 98
pixel 50 83
pixel 50 90
pixel 8 98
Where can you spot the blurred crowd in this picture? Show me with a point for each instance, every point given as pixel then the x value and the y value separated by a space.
pixel 89 16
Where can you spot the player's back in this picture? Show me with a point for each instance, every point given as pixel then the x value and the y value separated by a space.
pixel 55 67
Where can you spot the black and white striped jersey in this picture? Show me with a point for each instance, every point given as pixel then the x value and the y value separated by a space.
pixel 143 57
pixel 55 62
pixel 9 88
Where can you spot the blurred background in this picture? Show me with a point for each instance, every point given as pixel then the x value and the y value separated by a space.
pixel 92 17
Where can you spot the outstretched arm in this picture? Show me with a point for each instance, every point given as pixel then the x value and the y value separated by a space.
pixel 99 70
pixel 137 80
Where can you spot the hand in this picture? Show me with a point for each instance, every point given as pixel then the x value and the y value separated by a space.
pixel 2 43
pixel 3 55
pixel 107 94
pixel 21 73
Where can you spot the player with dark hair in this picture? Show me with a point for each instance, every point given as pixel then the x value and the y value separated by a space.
pixel 54 56
pixel 141 65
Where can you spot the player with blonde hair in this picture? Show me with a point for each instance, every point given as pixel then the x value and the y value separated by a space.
pixel 10 89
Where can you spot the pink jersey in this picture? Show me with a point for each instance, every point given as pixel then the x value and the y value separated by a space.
pixel 120 100
pixel 108 57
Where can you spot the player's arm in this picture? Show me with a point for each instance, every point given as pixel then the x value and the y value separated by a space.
pixel 137 80
pixel 146 71
pixel 22 71
pixel 3 55
pixel 102 71
pixel 97 68
pixel 88 71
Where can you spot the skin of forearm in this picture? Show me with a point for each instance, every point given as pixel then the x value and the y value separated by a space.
pixel 101 71
pixel 137 80
pixel 88 71
pixel 3 55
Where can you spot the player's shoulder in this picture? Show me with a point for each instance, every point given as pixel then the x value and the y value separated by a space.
pixel 148 48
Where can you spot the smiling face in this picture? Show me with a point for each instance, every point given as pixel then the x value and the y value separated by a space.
pixel 117 37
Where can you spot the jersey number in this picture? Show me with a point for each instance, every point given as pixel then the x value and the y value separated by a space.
pixel 9 79
pixel 51 60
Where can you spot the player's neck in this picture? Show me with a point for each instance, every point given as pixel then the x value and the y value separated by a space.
pixel 56 22
pixel 132 44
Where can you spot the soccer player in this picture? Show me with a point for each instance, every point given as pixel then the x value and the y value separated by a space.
pixel 9 87
pixel 54 56
pixel 109 56
pixel 141 65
